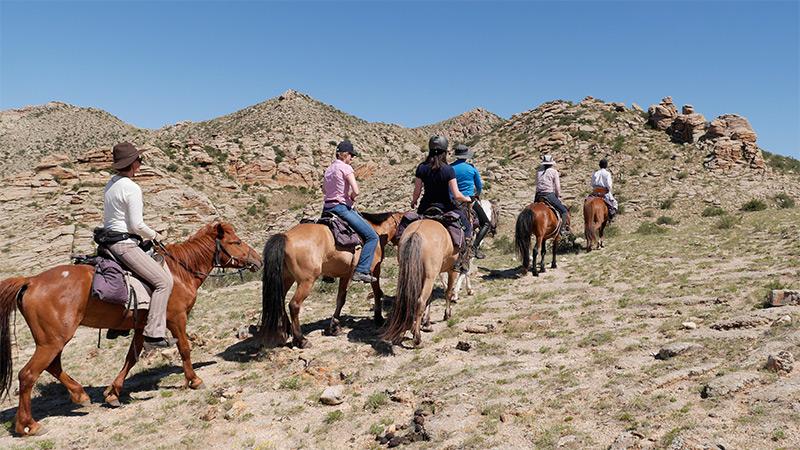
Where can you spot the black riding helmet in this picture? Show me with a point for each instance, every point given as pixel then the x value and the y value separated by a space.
pixel 437 145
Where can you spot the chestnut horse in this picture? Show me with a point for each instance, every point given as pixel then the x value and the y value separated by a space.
pixel 540 220
pixel 57 301
pixel 425 251
pixel 595 218
pixel 303 254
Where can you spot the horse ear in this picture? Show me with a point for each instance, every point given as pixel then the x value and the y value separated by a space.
pixel 220 231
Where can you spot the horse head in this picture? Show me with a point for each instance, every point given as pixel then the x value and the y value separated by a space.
pixel 231 251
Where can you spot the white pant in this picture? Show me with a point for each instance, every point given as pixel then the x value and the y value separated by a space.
pixel 611 200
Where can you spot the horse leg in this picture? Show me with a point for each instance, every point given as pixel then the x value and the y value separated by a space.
pixel 377 294
pixel 534 258
pixel 341 297
pixel 555 250
pixel 41 359
pixel 113 392
pixel 178 329
pixel 452 291
pixel 426 320
pixel 300 294
pixel 600 240
pixel 76 392
pixel 423 309
pixel 470 291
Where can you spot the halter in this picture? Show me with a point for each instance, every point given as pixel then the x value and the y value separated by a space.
pixel 219 249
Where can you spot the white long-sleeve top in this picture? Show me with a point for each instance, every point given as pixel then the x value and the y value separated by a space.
pixel 602 178
pixel 122 208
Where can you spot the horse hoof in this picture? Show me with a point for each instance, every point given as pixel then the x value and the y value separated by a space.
pixel 113 401
pixel 197 385
pixel 470 291
pixel 427 329
pixel 379 321
pixel 302 343
pixel 554 267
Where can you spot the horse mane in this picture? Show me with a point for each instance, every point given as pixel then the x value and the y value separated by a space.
pixel 377 218
pixel 195 252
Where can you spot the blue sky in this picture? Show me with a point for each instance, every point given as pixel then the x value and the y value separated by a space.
pixel 412 63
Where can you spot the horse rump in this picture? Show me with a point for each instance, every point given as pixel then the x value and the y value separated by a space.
pixel 522 235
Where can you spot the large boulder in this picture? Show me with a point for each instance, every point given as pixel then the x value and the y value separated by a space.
pixel 662 114
pixel 688 126
pixel 730 139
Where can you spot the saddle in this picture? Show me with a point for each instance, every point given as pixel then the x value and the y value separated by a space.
pixel 552 208
pixel 601 192
pixel 344 236
pixel 450 220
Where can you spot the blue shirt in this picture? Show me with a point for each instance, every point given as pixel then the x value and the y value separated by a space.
pixel 468 178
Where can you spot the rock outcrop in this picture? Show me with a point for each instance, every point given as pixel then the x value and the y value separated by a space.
pixel 662 114
pixel 730 140
pixel 688 126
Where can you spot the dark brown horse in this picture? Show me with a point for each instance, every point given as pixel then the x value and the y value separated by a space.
pixel 425 251
pixel 539 220
pixel 595 218
pixel 57 301
pixel 303 254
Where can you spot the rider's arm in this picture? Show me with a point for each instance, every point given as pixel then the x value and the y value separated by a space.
pixel 417 192
pixel 557 185
pixel 134 214
pixel 351 181
pixel 457 195
pixel 478 183
pixel 608 179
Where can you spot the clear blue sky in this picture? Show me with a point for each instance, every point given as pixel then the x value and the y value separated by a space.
pixel 412 63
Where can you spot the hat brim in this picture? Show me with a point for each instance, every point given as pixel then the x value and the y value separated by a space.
pixel 550 163
pixel 468 155
pixel 127 161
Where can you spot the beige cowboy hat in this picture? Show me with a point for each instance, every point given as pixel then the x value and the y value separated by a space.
pixel 547 160
pixel 124 155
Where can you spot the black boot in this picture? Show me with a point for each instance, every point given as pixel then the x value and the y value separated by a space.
pixel 478 239
pixel 113 334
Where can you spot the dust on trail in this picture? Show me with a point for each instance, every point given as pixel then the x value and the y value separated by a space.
pixel 568 362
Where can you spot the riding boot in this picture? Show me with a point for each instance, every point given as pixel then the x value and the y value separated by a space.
pixel 464 255
pixel 478 239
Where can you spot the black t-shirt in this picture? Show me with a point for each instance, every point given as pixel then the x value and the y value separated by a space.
pixel 437 189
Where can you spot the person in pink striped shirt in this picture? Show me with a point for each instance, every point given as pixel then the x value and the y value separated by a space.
pixel 548 189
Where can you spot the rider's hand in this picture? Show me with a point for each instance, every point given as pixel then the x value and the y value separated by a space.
pixel 159 237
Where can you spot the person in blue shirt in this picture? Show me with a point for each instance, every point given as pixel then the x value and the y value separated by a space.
pixel 470 184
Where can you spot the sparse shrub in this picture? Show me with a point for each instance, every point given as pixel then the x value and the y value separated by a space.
pixel 262 199
pixel 291 383
pixel 611 231
pixel 648 228
pixel 726 222
pixel 754 205
pixel 666 204
pixel 609 116
pixel 681 175
pixel 713 211
pixel 781 163
pixel 582 135
pixel 172 167
pixel 784 200
pixel 252 210
pixel 376 400
pixel 648 213
pixel 619 142
pixel 666 220
pixel 334 416
pixel 504 244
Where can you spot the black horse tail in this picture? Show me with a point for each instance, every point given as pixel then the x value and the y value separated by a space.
pixel 522 236
pixel 410 280
pixel 11 289
pixel 274 322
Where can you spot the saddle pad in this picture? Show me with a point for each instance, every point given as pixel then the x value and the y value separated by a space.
pixel 558 217
pixel 450 220
pixel 344 236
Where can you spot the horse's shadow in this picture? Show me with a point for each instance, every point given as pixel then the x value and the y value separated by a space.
pixel 53 398
pixel 501 274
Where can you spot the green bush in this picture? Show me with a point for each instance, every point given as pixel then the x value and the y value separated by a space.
pixel 172 167
pixel 781 163
pixel 784 200
pixel 648 213
pixel 713 211
pixel 611 231
pixel 666 220
pixel 667 204
pixel 648 228
pixel 727 222
pixel 754 205
pixel 681 175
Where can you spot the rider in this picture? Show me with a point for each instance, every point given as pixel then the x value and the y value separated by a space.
pixel 601 181
pixel 122 212
pixel 548 188
pixel 341 189
pixel 470 184
pixel 441 187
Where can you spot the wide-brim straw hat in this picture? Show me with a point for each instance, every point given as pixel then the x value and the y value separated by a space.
pixel 547 160
pixel 124 155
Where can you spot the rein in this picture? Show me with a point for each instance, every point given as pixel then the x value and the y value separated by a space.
pixel 219 249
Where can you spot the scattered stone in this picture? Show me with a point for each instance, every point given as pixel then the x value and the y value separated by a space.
pixel 741 322
pixel 689 325
pixel 463 346
pixel 676 348
pixel 729 384
pixel 479 329
pixel 403 396
pixel 781 297
pixel 783 320
pixel 238 409
pixel 332 395
pixel 210 414
pixel 630 440
pixel 782 362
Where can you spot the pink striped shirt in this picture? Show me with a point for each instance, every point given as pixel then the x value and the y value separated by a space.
pixel 548 180
pixel 335 184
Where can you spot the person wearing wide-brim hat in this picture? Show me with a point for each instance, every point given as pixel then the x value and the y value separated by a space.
pixel 548 188
pixel 122 213
pixel 471 185
pixel 341 189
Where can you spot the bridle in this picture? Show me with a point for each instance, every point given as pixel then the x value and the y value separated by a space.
pixel 219 250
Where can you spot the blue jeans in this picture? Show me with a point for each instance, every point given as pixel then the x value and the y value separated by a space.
pixel 364 230
pixel 553 200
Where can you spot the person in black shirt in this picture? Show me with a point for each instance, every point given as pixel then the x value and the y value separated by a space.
pixel 439 181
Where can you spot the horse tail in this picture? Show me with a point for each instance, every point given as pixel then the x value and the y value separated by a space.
pixel 410 281
pixel 588 223
pixel 522 235
pixel 10 290
pixel 273 304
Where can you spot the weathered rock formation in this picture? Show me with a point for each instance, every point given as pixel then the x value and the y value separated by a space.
pixel 662 114
pixel 730 140
pixel 688 126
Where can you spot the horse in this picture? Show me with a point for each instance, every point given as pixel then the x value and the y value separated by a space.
pixel 595 218
pixel 55 302
pixel 301 255
pixel 425 251
pixel 540 220
pixel 493 212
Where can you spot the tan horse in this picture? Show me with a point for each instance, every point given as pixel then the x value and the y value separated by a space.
pixel 425 251
pixel 539 220
pixel 595 218
pixel 303 254
pixel 57 301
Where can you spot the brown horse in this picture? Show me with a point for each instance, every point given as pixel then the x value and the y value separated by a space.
pixel 426 250
pixel 57 301
pixel 595 218
pixel 540 220
pixel 302 255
